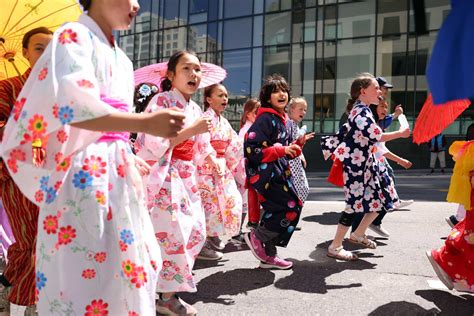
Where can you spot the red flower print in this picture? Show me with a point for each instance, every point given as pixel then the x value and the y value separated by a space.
pixel 166 263
pixel 18 154
pixel 39 196
pixel 37 126
pixel 95 166
pixel 50 224
pixel 88 274
pixel 153 265
pixel 121 170
pixel 132 314
pixel 58 157
pixel 109 214
pixel 100 257
pixel 43 73
pixel 66 235
pixel 100 197
pixel 111 186
pixel 17 108
pixel 62 136
pixel 57 185
pixel 64 165
pixel 67 36
pixel 12 165
pixel 97 307
pixel 85 84
pixel 55 111
pixel 123 246
pixel 128 268
pixel 139 277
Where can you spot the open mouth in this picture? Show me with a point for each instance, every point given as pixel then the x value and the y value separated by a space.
pixel 281 100
pixel 192 83
pixel 224 104
pixel 301 117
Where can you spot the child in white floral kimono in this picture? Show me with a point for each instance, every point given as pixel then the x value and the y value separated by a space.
pixel 95 249
pixel 221 199
pixel 173 194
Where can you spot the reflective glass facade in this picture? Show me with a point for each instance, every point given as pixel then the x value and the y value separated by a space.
pixel 318 45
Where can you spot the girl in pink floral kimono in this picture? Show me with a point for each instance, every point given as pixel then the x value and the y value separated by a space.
pixel 173 195
pixel 221 200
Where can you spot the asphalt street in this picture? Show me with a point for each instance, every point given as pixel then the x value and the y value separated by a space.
pixel 394 279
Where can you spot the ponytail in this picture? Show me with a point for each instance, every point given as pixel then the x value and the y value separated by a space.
pixel 165 84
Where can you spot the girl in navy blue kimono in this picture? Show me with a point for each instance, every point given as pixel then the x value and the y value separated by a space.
pixel 368 188
pixel 268 146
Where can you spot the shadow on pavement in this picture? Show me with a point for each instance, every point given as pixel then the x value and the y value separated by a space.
pixel 327 218
pixel 229 283
pixel 448 303
pixel 309 276
pixel 402 308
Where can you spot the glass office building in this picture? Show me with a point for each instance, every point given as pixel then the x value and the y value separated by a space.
pixel 318 45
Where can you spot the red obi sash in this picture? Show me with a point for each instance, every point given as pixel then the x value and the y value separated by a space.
pixel 219 146
pixel 183 151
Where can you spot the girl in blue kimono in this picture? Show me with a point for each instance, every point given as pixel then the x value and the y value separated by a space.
pixel 368 188
pixel 267 149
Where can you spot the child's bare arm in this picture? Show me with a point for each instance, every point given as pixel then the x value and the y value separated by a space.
pixel 399 160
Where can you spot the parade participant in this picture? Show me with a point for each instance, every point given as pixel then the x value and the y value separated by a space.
pixel 221 199
pixel 95 249
pixel 383 154
pixel 18 278
pixel 173 195
pixel 268 148
pixel 367 186
pixel 296 112
pixel 250 199
pixel 452 261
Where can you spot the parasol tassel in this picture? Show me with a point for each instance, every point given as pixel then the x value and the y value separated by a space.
pixel 39 153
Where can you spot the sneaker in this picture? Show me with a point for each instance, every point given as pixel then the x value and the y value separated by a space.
pixel 378 229
pixel 252 225
pixel 452 221
pixel 405 203
pixel 4 303
pixel 255 246
pixel 174 306
pixel 216 243
pixel 207 253
pixel 276 262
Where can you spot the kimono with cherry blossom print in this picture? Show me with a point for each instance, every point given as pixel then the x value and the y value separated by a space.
pixel 368 186
pixel 173 195
pixel 221 199
pixel 95 251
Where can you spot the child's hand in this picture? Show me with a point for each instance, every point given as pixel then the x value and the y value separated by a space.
pixel 398 110
pixel 143 167
pixel 404 133
pixel 293 150
pixel 166 123
pixel 405 164
pixel 202 125
pixel 303 161
pixel 309 136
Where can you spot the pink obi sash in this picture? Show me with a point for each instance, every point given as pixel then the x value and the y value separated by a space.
pixel 114 136
pixel 219 146
pixel 183 151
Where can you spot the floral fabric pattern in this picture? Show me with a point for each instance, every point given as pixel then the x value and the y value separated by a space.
pixel 221 199
pixel 88 211
pixel 173 196
pixel 368 186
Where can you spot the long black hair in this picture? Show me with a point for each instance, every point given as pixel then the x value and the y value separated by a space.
pixel 86 4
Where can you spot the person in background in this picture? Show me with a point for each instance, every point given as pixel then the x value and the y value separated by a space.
pixel 18 278
pixel 438 151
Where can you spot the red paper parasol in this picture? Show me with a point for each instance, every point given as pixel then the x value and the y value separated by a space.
pixel 155 73
pixel 434 118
